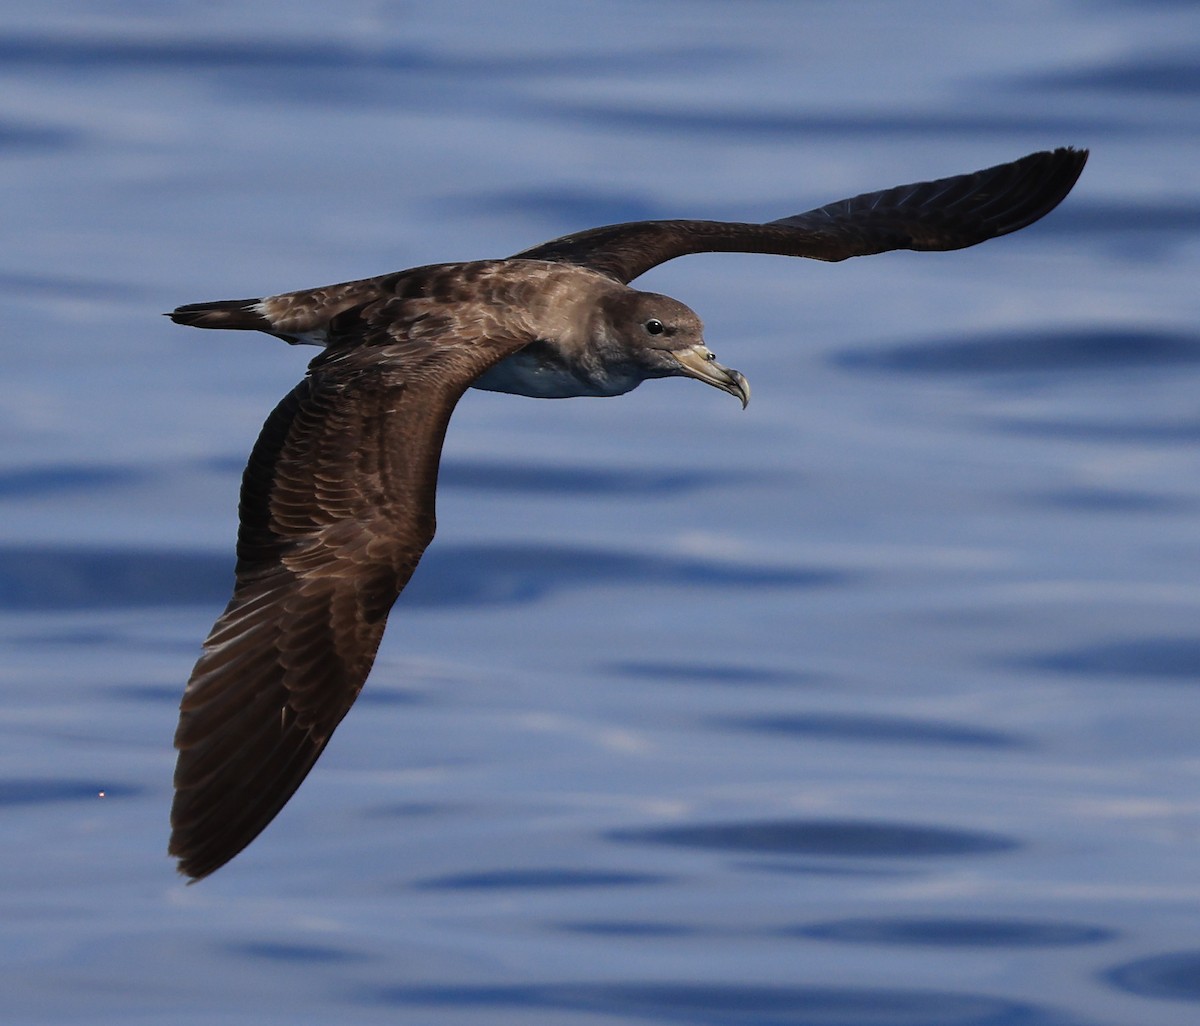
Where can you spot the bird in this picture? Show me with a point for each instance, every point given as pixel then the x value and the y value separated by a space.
pixel 337 498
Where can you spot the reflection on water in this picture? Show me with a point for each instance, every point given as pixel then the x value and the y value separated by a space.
pixel 866 706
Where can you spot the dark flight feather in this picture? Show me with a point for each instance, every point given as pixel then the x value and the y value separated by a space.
pixel 947 214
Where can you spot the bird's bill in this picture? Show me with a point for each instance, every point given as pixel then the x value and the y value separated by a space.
pixel 698 362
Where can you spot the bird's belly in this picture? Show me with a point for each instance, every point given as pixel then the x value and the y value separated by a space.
pixel 536 372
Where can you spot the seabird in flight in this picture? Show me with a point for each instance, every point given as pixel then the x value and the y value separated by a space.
pixel 337 500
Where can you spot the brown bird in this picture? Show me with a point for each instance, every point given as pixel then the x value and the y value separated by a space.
pixel 337 500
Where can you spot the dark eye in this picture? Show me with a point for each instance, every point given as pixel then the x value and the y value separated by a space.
pixel 654 326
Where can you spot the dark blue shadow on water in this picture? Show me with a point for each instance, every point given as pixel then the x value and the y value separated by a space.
pixel 94 637
pixel 627 928
pixel 270 51
pixel 152 693
pixel 39 578
pixel 36 137
pixel 501 574
pixel 705 673
pixel 1134 233
pixel 46 791
pixel 582 208
pixel 832 868
pixel 413 810
pixel 291 953
pixel 1172 977
pixel 90 52
pixel 58 479
pixel 25 284
pixel 954 933
pixel 1165 432
pixel 1032 352
pixel 872 730
pixel 327 72
pixel 518 478
pixel 733 1004
pixel 1174 73
pixel 837 124
pixel 827 838
pixel 1174 659
pixel 538 879
pixel 1110 500
pixel 535 479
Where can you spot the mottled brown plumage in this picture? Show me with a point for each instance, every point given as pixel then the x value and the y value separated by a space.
pixel 337 502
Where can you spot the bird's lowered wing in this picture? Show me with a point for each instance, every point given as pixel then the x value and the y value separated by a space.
pixel 950 213
pixel 337 506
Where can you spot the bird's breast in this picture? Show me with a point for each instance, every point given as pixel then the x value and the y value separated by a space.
pixel 544 371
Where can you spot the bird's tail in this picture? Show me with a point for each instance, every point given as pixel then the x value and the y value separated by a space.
pixel 244 314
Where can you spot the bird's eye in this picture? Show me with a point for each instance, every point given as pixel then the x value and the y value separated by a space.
pixel 654 326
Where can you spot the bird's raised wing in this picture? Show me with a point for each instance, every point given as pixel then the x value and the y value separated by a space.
pixel 950 213
pixel 337 507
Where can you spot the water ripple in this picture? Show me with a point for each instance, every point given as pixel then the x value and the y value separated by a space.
pixel 1098 348
pixel 272 51
pixel 706 673
pixel 835 123
pixel 64 478
pixel 538 879
pixel 1174 976
pixel 532 478
pixel 46 790
pixel 1122 220
pixel 36 137
pixel 629 928
pixel 717 1004
pixel 954 933
pixel 77 578
pixel 1110 500
pixel 830 838
pixel 1168 658
pixel 292 953
pixel 499 574
pixel 872 729
pixel 1174 74
pixel 1141 432
pixel 559 205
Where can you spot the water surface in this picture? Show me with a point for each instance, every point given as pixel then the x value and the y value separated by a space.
pixel 874 704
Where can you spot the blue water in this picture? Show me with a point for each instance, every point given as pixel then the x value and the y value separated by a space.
pixel 873 705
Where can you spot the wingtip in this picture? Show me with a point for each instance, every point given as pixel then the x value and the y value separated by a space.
pixel 196 865
pixel 1073 156
pixel 1072 160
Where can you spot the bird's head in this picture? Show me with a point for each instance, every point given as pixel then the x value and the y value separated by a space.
pixel 664 338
